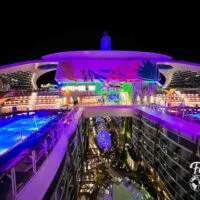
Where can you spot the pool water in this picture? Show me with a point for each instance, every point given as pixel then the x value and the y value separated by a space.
pixel 196 116
pixel 13 131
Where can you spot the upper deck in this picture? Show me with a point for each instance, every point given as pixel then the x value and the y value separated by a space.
pixel 183 127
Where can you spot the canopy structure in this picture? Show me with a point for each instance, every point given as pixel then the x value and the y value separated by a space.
pixel 120 66
pixel 121 192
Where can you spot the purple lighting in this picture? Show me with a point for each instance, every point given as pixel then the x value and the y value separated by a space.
pixel 104 140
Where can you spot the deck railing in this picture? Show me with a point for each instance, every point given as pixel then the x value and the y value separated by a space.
pixel 17 175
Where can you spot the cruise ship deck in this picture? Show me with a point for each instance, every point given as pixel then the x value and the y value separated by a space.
pixel 85 124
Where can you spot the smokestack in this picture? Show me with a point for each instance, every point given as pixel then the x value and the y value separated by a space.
pixel 105 42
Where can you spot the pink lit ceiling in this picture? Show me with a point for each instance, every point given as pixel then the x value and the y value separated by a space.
pixel 97 70
pixel 101 65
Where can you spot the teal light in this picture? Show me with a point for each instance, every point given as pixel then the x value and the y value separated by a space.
pixel 98 88
pixel 78 83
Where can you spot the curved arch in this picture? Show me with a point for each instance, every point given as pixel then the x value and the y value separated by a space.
pixel 164 66
pixel 45 78
pixel 162 79
pixel 47 67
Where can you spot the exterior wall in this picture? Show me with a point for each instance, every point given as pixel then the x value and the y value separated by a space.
pixel 182 66
pixel 68 152
pixel 167 155
pixel 69 176
pixel 31 66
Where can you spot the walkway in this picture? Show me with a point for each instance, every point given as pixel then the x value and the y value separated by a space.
pixel 188 129
pixel 184 127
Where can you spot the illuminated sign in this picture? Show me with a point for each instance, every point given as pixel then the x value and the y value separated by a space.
pixel 104 70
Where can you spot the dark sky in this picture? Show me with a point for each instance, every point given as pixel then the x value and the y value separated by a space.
pixel 28 34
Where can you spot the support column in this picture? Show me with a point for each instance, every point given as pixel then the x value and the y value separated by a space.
pixel 46 147
pixel 33 157
pixel 12 176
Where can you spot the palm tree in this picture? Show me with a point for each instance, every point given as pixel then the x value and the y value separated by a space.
pixel 170 93
pixel 67 94
pixel 148 71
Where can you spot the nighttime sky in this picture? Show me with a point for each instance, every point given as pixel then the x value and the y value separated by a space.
pixel 28 35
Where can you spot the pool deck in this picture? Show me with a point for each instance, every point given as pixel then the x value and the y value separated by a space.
pixel 39 184
pixel 16 150
pixel 186 129
pixel 19 130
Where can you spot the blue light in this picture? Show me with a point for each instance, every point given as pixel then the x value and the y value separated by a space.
pixel 100 119
pixel 3 150
pixel 19 128
pixel 105 42
pixel 104 140
pixel 114 97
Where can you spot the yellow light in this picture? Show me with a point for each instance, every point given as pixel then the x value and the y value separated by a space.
pixel 151 99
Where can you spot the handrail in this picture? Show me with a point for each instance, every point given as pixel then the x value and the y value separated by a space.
pixel 42 146
pixel 30 163
pixel 44 175
pixel 28 138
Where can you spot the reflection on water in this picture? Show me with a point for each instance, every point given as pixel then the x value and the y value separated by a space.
pixel 19 128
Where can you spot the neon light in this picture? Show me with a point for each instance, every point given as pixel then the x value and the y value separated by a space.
pixel 35 123
pixel 128 88
pixel 104 140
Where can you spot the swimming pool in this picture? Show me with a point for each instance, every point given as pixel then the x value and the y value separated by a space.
pixel 16 129
pixel 197 116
